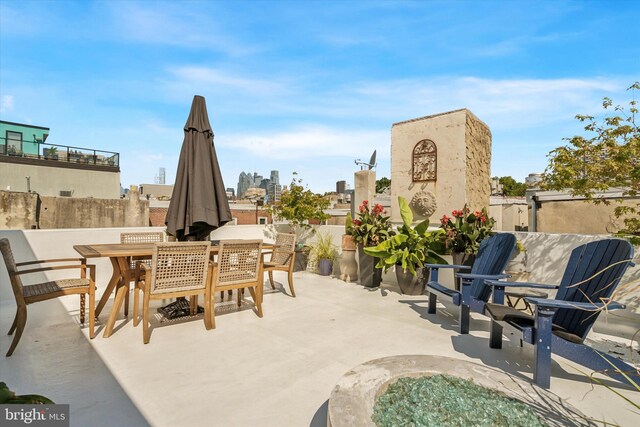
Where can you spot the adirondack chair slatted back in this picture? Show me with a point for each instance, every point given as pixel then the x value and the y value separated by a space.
pixel 593 273
pixel 492 258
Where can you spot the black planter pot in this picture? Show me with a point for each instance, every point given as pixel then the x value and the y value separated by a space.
pixel 325 267
pixel 410 284
pixel 301 260
pixel 461 258
pixel 368 275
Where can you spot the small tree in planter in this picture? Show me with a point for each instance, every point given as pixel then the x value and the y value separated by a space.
pixel 298 206
pixel 409 250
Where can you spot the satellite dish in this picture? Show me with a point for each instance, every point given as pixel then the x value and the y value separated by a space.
pixel 370 165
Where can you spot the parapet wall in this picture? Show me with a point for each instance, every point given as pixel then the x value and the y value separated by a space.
pixel 25 211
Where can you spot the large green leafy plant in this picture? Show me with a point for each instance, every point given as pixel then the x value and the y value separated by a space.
pixel 372 226
pixel 410 247
pixel 465 230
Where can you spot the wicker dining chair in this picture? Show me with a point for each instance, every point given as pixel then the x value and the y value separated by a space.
pixel 178 269
pixel 29 294
pixel 282 258
pixel 138 237
pixel 239 267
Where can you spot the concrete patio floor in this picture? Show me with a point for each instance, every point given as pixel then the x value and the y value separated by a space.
pixel 274 371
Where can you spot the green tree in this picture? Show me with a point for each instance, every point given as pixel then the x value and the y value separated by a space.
pixel 298 205
pixel 382 184
pixel 511 187
pixel 608 157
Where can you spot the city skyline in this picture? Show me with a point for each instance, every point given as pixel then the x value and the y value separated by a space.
pixel 310 87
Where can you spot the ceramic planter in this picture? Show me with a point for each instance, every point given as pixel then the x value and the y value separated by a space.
pixel 325 267
pixel 410 284
pixel 368 275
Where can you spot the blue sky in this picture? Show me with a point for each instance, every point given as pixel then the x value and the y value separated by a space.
pixel 310 86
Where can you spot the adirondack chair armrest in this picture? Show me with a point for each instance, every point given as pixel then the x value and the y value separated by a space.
pixel 494 283
pixel 584 306
pixel 436 266
pixel 472 276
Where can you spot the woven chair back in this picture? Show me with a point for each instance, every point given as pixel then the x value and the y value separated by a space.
pixel 179 266
pixel 143 237
pixel 238 261
pixel 285 244
pixel 10 263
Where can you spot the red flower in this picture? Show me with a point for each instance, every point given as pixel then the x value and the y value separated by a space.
pixel 445 219
pixel 365 202
pixel 362 209
pixel 457 213
pixel 477 213
pixel 357 222
pixel 377 209
pixel 483 218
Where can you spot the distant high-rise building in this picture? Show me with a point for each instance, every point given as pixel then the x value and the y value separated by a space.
pixel 231 191
pixel 275 177
pixel 264 183
pixel 341 186
pixel 160 178
pixel 274 191
pixel 247 180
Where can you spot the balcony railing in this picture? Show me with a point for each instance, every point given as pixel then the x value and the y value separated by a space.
pixel 61 153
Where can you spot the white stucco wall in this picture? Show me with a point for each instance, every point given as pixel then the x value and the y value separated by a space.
pixel 49 181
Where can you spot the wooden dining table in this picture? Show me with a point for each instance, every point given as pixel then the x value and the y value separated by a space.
pixel 120 255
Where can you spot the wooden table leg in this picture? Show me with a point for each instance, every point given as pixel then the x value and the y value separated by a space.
pixel 121 268
pixel 115 278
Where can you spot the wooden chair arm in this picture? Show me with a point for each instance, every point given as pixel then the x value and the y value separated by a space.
pixel 57 267
pixel 82 260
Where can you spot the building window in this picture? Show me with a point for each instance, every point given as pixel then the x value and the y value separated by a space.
pixel 14 143
pixel 424 162
pixel 262 220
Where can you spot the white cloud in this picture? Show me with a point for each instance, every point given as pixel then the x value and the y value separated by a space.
pixel 6 103
pixel 207 77
pixel 176 24
pixel 310 142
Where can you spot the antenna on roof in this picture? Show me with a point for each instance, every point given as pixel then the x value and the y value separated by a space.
pixel 370 165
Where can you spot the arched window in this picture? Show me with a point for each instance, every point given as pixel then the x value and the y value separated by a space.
pixel 424 162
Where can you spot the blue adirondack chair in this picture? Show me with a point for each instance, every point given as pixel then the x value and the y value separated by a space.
pixel 492 257
pixel 560 325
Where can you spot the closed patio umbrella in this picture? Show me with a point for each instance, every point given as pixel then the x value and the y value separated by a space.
pixel 199 201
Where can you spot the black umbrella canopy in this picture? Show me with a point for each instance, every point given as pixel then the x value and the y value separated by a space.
pixel 199 201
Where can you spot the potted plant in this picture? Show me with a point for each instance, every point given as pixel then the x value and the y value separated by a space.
pixel 348 264
pixel 324 252
pixel 298 206
pixel 347 238
pixel 409 250
pixel 463 234
pixel 370 229
pixel 50 153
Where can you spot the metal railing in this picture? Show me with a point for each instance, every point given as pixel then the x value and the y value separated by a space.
pixel 57 152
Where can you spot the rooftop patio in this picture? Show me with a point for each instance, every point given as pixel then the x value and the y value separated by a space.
pixel 274 371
